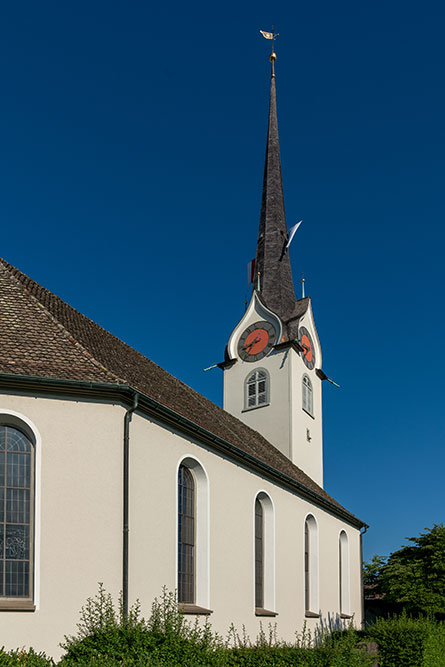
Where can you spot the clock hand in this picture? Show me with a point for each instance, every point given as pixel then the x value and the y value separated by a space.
pixel 250 345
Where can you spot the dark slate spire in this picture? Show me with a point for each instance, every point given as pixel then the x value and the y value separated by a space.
pixel 277 289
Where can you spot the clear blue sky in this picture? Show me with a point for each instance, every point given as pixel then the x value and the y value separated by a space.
pixel 131 161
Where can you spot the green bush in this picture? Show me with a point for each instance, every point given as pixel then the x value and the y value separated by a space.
pixel 106 639
pixel 401 640
pixel 24 658
pixel 434 647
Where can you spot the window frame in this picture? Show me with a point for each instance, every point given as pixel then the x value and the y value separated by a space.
pixel 307 395
pixel 186 481
pixel 268 555
pixel 344 575
pixel 256 381
pixel 200 604
pixel 311 567
pixel 10 419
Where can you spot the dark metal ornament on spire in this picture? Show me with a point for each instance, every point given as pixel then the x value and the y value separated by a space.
pixel 276 284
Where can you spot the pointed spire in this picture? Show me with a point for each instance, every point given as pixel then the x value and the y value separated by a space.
pixel 276 285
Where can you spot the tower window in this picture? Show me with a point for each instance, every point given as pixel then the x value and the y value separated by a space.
pixel 308 399
pixel 256 389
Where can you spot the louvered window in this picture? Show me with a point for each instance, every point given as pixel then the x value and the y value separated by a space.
pixel 256 389
pixel 16 514
pixel 308 399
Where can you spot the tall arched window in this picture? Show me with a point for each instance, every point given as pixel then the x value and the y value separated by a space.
pixel 193 572
pixel 311 566
pixel 343 558
pixel 256 389
pixel 264 556
pixel 186 536
pixel 16 514
pixel 308 399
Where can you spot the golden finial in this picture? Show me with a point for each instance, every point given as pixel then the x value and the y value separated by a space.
pixel 302 286
pixel 273 56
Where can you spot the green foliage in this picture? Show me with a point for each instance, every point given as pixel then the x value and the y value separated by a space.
pixel 401 640
pixel 167 639
pixel 372 570
pixel 106 638
pixel 24 659
pixel 434 647
pixel 414 576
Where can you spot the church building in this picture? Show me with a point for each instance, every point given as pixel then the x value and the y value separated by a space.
pixel 114 471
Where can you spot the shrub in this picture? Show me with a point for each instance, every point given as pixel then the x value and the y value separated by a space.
pixel 167 639
pixel 434 647
pixel 24 658
pixel 401 640
pixel 105 637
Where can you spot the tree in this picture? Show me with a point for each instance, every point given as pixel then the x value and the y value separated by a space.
pixel 372 570
pixel 414 576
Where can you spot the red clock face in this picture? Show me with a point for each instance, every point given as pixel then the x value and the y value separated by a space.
pixel 308 352
pixel 256 341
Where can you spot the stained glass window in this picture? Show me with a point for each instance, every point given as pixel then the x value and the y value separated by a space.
pixel 16 481
pixel 186 536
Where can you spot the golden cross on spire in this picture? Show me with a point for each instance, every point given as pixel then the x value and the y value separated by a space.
pixel 273 56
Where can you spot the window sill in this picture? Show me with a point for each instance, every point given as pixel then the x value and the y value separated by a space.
pixel 259 611
pixel 311 614
pixel 256 407
pixel 186 608
pixel 346 615
pixel 17 605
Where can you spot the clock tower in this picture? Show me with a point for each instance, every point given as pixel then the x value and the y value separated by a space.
pixel 272 369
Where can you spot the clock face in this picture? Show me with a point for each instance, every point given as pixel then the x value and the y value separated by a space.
pixel 308 352
pixel 256 341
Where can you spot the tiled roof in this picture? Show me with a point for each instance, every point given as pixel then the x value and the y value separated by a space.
pixel 42 336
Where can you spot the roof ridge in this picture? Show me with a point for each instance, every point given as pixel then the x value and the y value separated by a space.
pixel 28 284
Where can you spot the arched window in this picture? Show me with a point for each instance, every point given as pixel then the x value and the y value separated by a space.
pixel 256 389
pixel 16 514
pixel 311 566
pixel 264 555
pixel 344 573
pixel 186 536
pixel 259 554
pixel 308 399
pixel 193 537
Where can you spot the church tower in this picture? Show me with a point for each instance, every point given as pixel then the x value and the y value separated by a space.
pixel 272 372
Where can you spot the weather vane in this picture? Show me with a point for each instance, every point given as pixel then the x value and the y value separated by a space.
pixel 273 56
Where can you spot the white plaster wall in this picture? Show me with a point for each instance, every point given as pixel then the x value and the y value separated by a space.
pixel 81 526
pixel 232 490
pixel 307 455
pixel 80 522
pixel 272 420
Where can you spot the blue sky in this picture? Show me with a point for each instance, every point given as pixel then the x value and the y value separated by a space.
pixel 131 161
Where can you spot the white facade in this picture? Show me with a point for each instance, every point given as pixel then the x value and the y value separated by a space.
pixel 78 525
